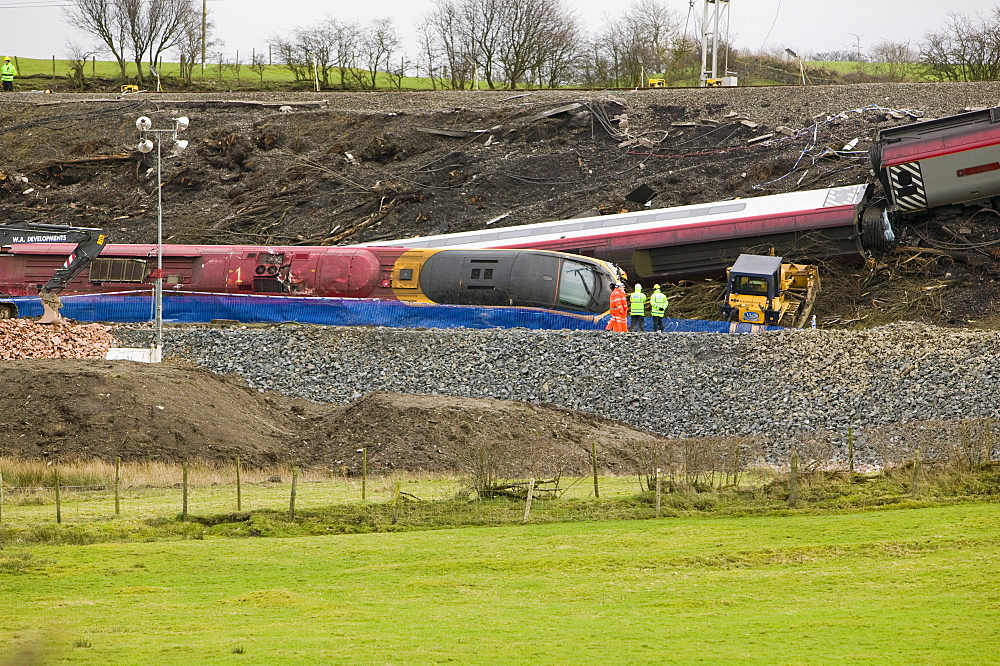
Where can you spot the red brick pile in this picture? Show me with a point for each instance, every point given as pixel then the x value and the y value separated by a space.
pixel 23 338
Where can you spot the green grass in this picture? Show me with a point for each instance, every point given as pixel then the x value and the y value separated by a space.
pixel 900 586
pixel 33 73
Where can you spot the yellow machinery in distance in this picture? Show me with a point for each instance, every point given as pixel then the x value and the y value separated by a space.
pixel 656 83
pixel 763 290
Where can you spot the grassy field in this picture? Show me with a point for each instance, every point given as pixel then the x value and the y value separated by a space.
pixel 890 586
pixel 34 73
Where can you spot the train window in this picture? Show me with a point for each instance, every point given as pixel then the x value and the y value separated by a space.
pixel 577 285
pixel 728 208
pixel 251 255
pixel 117 269
pixel 271 259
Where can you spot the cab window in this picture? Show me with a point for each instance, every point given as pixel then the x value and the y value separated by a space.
pixel 750 285
pixel 577 285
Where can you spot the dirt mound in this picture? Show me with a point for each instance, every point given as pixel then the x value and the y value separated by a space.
pixel 447 434
pixel 70 409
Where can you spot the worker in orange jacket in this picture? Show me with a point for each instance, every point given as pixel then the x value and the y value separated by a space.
pixel 619 310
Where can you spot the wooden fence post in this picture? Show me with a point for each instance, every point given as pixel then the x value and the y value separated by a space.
pixel 58 499
pixel 657 492
pixel 850 448
pixel 184 486
pixel 53 69
pixel 291 501
pixel 593 463
pixel 527 505
pixel 364 472
pixel 239 487
pixel 118 483
pixel 395 504
pixel 793 481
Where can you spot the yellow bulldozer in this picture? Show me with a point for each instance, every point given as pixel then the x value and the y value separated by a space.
pixel 764 290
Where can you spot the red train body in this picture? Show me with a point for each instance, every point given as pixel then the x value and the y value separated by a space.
pixel 526 278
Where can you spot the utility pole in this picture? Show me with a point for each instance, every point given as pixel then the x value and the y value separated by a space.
pixel 204 27
pixel 710 42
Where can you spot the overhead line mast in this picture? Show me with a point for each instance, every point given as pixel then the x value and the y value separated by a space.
pixel 710 44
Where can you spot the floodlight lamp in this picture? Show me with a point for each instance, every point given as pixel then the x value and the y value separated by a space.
pixel 143 124
pixel 181 145
pixel 145 146
pixel 792 53
pixel 182 123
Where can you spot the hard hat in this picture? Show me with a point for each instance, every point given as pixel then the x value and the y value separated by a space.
pixel 656 286
pixel 7 59
pixel 638 287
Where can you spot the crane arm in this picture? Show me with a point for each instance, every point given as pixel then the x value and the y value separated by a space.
pixel 90 242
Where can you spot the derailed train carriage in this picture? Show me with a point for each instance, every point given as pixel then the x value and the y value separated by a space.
pixel 919 166
pixel 491 278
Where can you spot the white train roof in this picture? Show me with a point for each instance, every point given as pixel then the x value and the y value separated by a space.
pixel 646 220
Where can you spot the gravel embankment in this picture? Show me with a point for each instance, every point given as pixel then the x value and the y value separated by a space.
pixel 769 384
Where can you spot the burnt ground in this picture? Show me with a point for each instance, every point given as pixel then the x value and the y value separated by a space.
pixel 341 168
pixel 69 409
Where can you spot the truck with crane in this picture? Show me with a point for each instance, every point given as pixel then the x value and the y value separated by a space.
pixel 89 244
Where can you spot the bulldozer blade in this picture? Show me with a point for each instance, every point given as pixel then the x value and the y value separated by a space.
pixel 50 307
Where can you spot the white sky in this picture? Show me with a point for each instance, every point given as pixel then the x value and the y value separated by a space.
pixel 34 28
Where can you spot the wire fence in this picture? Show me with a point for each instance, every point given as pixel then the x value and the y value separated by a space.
pixel 502 484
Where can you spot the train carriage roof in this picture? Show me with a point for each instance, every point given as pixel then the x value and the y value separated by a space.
pixel 662 218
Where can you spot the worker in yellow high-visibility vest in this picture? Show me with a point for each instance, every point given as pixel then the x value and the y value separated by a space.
pixel 637 310
pixel 7 74
pixel 657 307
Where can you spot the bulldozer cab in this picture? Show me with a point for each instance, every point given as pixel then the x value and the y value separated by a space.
pixel 762 290
pixel 755 275
pixel 656 83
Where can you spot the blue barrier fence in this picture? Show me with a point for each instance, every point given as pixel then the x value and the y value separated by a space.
pixel 200 307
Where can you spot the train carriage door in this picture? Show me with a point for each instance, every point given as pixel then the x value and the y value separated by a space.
pixel 406 276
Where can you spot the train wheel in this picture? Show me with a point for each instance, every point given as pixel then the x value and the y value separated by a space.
pixel 876 230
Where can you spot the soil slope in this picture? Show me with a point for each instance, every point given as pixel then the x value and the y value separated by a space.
pixel 69 409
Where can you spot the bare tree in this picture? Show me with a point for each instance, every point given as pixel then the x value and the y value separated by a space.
pixel 891 61
pixel 966 49
pixel 258 63
pixel 104 20
pixel 78 59
pixel 397 72
pixel 189 45
pixel 647 38
pixel 374 50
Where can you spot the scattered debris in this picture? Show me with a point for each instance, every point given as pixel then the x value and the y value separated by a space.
pixel 24 338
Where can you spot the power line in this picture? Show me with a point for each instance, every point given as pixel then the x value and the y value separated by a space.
pixel 36 4
pixel 768 35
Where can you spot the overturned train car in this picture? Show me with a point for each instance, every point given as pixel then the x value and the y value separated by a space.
pixel 699 240
pixel 492 278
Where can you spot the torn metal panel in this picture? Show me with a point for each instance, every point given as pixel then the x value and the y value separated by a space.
pixel 566 108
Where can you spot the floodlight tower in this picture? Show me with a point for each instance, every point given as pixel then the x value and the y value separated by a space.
pixel 145 127
pixel 716 13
